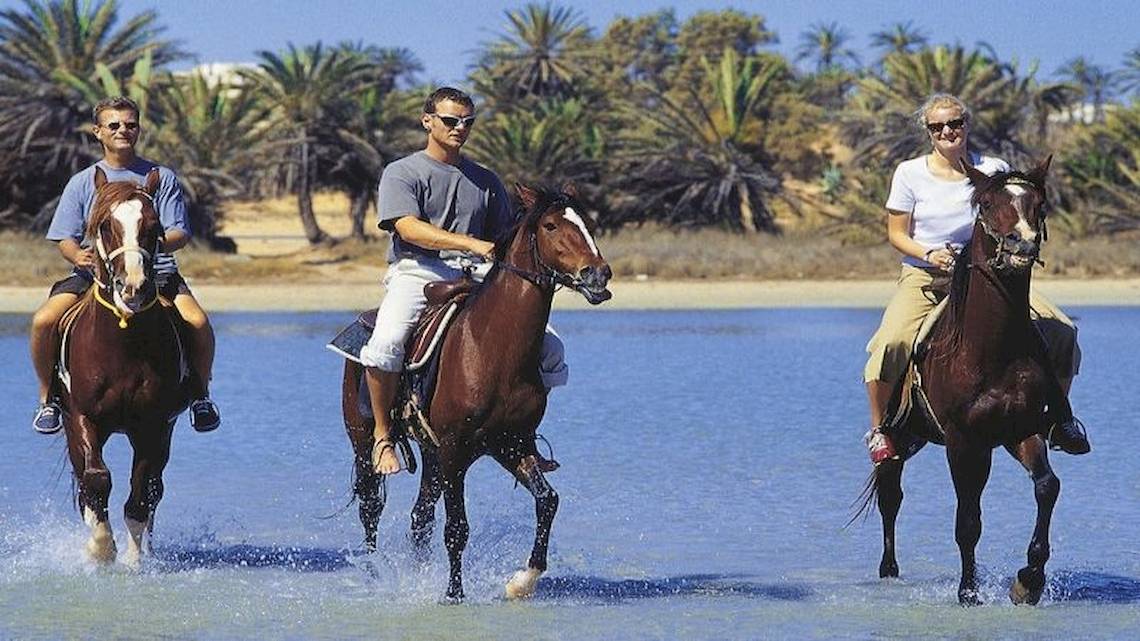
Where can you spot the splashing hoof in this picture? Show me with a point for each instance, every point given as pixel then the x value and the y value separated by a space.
pixel 969 598
pixel 452 598
pixel 101 549
pixel 888 570
pixel 521 585
pixel 1027 588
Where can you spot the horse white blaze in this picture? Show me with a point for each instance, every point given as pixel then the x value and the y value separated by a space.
pixel 1020 195
pixel 129 215
pixel 572 216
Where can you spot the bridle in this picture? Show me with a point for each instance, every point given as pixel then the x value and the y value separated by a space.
pixel 1005 249
pixel 108 267
pixel 547 277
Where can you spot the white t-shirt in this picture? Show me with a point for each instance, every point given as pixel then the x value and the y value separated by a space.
pixel 940 210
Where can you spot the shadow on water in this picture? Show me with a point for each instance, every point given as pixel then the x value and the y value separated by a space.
pixel 1094 586
pixel 298 559
pixel 588 587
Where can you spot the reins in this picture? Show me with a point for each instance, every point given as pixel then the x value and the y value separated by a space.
pixel 547 278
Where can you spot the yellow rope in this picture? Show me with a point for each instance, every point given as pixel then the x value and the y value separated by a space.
pixel 117 312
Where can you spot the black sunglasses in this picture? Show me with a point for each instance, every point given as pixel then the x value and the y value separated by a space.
pixel 114 126
pixel 954 125
pixel 451 122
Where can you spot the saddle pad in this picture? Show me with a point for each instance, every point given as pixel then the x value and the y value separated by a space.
pixel 351 340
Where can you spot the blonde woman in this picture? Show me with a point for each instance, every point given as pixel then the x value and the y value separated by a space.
pixel 929 219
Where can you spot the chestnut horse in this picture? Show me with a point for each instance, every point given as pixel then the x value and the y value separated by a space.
pixel 489 398
pixel 122 366
pixel 986 377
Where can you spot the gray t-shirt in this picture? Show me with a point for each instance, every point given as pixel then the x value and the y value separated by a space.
pixel 70 219
pixel 465 199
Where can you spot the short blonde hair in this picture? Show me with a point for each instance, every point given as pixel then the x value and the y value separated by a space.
pixel 938 101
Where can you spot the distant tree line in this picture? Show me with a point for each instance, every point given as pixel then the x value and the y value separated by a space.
pixel 682 123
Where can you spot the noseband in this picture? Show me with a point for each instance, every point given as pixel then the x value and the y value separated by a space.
pixel 108 266
pixel 546 277
pixel 1005 249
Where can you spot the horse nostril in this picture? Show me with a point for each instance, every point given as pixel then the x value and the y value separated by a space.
pixel 607 273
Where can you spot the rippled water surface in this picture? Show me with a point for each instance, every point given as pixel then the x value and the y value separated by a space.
pixel 710 460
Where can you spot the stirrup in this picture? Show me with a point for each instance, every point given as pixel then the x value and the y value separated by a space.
pixel 1071 443
pixel 204 415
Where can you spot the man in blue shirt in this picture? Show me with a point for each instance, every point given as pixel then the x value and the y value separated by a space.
pixel 117 130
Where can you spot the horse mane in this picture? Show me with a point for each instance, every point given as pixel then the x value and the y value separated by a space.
pixel 105 196
pixel 547 200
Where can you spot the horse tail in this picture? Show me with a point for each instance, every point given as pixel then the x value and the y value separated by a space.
pixel 865 503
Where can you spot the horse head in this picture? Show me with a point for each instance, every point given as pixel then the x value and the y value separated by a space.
pixel 1011 211
pixel 125 230
pixel 562 242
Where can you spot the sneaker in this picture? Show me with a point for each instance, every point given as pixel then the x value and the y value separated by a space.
pixel 204 415
pixel 49 418
pixel 880 446
pixel 1069 437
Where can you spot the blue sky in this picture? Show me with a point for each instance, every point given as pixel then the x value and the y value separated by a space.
pixel 443 33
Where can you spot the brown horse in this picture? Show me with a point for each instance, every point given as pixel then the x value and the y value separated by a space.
pixel 122 366
pixel 489 398
pixel 986 378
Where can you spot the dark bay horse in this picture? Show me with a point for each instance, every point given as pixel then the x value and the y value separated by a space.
pixel 489 398
pixel 122 366
pixel 985 375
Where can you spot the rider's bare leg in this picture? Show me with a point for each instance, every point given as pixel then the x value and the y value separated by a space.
pixel 202 342
pixel 45 339
pixel 382 394
pixel 878 396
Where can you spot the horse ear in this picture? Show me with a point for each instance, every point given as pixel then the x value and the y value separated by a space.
pixel 570 189
pixel 1037 176
pixel 152 178
pixel 100 177
pixel 977 178
pixel 527 196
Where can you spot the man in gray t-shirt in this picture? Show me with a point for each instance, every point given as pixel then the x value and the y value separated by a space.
pixel 438 206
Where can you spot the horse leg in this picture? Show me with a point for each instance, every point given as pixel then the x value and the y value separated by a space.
pixel 423 512
pixel 85 447
pixel 456 529
pixel 970 469
pixel 888 488
pixel 527 471
pixel 1030 581
pixel 369 487
pixel 151 453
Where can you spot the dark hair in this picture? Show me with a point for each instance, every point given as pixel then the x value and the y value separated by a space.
pixel 447 93
pixel 117 103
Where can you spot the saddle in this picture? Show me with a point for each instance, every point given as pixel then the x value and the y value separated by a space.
pixel 421 353
pixel 67 323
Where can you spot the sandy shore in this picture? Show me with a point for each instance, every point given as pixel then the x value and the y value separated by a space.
pixel 627 295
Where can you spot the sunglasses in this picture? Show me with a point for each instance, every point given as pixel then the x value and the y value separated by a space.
pixel 954 125
pixel 451 122
pixel 114 126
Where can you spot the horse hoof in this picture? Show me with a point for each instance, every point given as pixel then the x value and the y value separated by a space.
pixel 521 585
pixel 452 599
pixel 101 549
pixel 969 598
pixel 1022 594
pixel 888 570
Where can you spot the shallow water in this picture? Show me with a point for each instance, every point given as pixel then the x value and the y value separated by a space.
pixel 710 460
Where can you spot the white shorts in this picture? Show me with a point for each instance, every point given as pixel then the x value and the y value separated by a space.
pixel 404 300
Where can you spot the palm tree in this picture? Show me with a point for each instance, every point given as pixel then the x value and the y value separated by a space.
pixel 1130 74
pixel 542 54
pixel 57 59
pixel 696 161
pixel 377 129
pixel 1104 168
pixel 211 134
pixel 561 141
pixel 312 92
pixel 901 37
pixel 1094 81
pixel 826 43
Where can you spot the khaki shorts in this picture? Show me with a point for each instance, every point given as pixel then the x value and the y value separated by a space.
pixel 891 345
